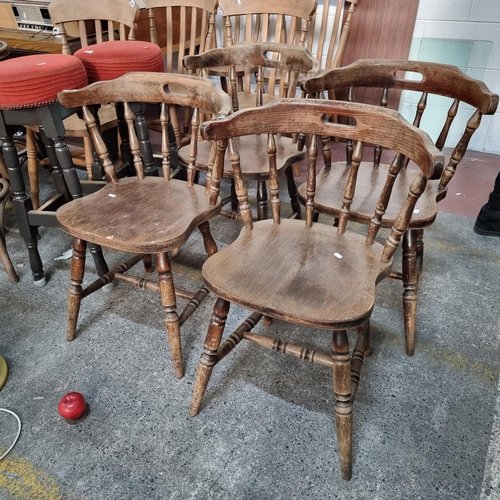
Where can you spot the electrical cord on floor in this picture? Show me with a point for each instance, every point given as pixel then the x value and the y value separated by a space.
pixel 18 432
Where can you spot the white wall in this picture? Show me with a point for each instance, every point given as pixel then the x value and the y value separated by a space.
pixel 465 33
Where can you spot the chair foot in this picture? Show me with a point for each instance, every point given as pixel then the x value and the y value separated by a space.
pixel 109 287
pixel 172 325
pixel 268 321
pixel 200 384
pixel 41 282
pixel 209 357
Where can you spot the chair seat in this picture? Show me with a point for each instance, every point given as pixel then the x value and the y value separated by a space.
pixel 254 165
pixel 309 276
pixel 157 216
pixel 249 100
pixel 33 81
pixel 330 186
pixel 110 60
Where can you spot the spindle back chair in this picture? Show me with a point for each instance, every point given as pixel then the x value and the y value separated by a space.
pixel 459 99
pixel 328 34
pixel 255 21
pixel 254 58
pixel 299 271
pixel 189 29
pixel 144 215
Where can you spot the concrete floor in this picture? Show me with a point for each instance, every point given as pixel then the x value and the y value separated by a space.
pixel 424 427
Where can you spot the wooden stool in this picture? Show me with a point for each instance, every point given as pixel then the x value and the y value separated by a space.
pixel 28 96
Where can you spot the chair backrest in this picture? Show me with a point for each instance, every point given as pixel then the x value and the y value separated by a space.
pixel 253 58
pixel 371 125
pixel 329 31
pixel 427 79
pixel 281 21
pixel 96 19
pixel 165 88
pixel 187 27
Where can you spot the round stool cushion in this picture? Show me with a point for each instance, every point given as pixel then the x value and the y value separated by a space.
pixel 110 60
pixel 33 81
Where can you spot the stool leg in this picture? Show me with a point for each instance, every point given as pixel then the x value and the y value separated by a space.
pixel 75 189
pixel 65 160
pixel 33 167
pixel 57 174
pixel 125 142
pixel 22 205
pixel 141 129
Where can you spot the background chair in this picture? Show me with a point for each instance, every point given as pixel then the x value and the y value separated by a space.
pixel 468 100
pixel 255 21
pixel 144 215
pixel 329 31
pixel 256 58
pixel 309 274
pixel 188 29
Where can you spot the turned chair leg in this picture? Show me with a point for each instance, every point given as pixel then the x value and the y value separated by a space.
pixel 292 191
pixel 262 209
pixel 31 151
pixel 4 256
pixel 420 252
pixel 172 325
pixel 209 357
pixel 208 239
pixel 365 330
pixel 75 286
pixel 410 283
pixel 343 400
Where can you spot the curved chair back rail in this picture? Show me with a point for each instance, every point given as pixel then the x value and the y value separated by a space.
pixel 435 78
pixel 151 88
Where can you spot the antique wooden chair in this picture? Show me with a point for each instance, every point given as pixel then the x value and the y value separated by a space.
pixel 255 21
pixel 99 22
pixel 310 274
pixel 328 34
pixel 434 80
pixel 144 215
pixel 292 62
pixel 187 28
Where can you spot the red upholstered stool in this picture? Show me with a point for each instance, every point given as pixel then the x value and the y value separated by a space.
pixel 28 96
pixel 110 60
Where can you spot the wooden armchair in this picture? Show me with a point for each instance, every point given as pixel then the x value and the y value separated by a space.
pixel 309 274
pixel 458 102
pixel 256 58
pixel 144 215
